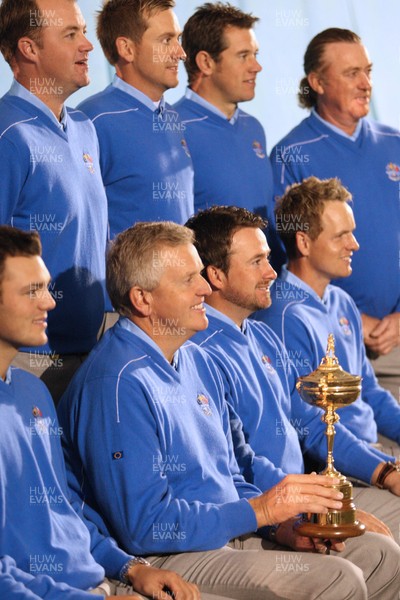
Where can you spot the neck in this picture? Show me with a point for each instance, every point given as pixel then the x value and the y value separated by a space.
pixel 126 74
pixel 161 335
pixel 203 89
pixel 230 310
pixel 7 354
pixel 54 102
pixel 316 281
pixel 347 127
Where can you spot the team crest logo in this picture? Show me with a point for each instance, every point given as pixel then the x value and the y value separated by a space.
pixel 37 413
pixel 88 160
pixel 203 402
pixel 267 362
pixel 345 325
pixel 185 147
pixel 258 149
pixel 393 172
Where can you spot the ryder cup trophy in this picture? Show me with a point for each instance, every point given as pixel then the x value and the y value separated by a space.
pixel 330 387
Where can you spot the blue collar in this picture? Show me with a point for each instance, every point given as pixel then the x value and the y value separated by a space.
pixel 138 95
pixel 337 130
pixel 191 95
pixel 20 91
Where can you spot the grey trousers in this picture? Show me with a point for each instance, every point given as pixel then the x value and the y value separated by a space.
pixel 387 370
pixel 115 588
pixel 250 568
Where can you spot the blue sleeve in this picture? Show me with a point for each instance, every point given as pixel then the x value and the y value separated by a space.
pixel 135 499
pixel 12 177
pixel 18 585
pixel 353 456
pixel 386 408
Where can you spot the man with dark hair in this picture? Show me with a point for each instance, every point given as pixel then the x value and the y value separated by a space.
pixel 306 308
pixel 260 377
pixel 50 175
pixel 227 145
pixel 158 406
pixel 47 549
pixel 338 140
pixel 145 162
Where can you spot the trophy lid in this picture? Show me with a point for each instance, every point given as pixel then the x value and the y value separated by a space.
pixel 329 384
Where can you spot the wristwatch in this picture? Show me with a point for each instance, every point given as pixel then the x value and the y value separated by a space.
pixel 387 468
pixel 135 560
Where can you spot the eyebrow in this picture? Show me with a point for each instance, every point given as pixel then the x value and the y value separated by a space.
pixel 32 287
pixel 170 34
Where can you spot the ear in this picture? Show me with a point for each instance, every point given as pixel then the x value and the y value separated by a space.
pixel 205 63
pixel 141 300
pixel 216 277
pixel 28 48
pixel 303 243
pixel 125 48
pixel 316 82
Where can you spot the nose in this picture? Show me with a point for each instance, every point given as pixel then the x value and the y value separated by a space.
pixel 204 287
pixel 47 301
pixel 179 51
pixel 86 45
pixel 256 66
pixel 269 272
pixel 354 245
pixel 366 81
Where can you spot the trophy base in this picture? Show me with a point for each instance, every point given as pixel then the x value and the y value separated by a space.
pixel 335 524
pixel 339 532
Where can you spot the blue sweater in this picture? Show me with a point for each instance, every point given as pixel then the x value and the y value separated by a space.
pixel 145 162
pixel 370 169
pixel 165 451
pixel 51 182
pixel 46 550
pixel 231 165
pixel 303 322
pixel 277 424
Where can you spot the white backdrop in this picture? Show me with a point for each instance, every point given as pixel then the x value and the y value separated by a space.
pixel 283 33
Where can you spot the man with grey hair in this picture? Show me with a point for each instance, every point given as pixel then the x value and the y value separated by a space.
pixel 339 140
pixel 173 489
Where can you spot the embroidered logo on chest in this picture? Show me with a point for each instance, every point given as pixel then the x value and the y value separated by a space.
pixel 202 401
pixel 393 172
pixel 345 325
pixel 258 149
pixel 88 160
pixel 268 364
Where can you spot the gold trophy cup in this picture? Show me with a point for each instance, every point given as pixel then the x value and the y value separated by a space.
pixel 330 387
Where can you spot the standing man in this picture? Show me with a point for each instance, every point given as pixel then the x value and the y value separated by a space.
pixel 338 140
pixel 260 377
pixel 50 175
pixel 47 549
pixel 227 145
pixel 158 406
pixel 145 161
pixel 306 308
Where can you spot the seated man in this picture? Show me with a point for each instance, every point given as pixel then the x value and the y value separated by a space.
pixel 305 308
pixel 259 375
pixel 46 550
pixel 173 489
